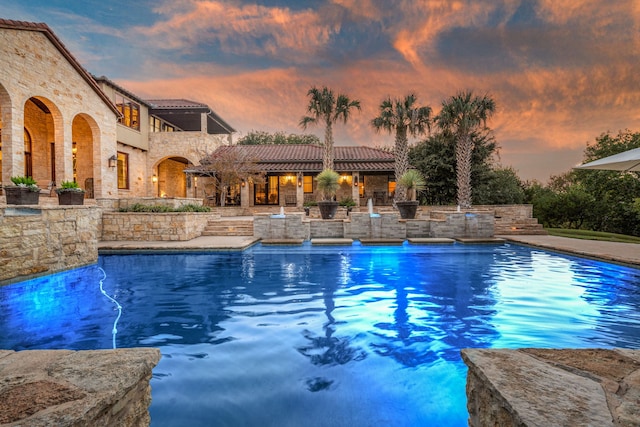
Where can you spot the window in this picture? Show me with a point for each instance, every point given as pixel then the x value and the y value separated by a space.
pixel 28 160
pixel 307 183
pixel 157 125
pixel 123 171
pixel 130 112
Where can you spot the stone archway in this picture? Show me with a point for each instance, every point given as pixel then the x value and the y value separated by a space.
pixel 84 132
pixel 43 123
pixel 170 178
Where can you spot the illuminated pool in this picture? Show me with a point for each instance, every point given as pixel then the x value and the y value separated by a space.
pixel 324 336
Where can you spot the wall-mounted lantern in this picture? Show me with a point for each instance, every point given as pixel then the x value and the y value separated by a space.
pixel 113 161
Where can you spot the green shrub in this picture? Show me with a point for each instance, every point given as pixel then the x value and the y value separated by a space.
pixel 139 207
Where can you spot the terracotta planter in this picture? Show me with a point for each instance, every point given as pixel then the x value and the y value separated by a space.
pixel 328 209
pixel 21 196
pixel 71 198
pixel 407 209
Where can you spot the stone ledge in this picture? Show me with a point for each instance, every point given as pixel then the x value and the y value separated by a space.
pixel 275 242
pixel 544 387
pixel 382 241
pixel 430 240
pixel 71 388
pixel 480 240
pixel 331 241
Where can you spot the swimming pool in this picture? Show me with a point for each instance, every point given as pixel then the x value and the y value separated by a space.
pixel 324 336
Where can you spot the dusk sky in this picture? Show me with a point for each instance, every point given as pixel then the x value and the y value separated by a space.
pixel 561 71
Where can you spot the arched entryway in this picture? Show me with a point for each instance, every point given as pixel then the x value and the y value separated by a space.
pixel 83 134
pixel 170 179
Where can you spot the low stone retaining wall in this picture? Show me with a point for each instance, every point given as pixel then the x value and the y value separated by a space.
pixel 361 225
pixel 46 239
pixel 62 388
pixel 546 387
pixel 147 226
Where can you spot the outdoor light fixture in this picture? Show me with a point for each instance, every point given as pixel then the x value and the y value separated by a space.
pixel 244 183
pixel 154 179
pixel 355 181
pixel 113 161
pixel 299 179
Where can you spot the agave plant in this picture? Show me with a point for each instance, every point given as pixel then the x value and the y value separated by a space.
pixel 412 181
pixel 328 183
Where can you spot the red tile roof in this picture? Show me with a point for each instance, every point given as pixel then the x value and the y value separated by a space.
pixel 308 157
pixel 44 29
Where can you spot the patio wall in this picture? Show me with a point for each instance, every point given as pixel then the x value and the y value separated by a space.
pixel 46 239
pixel 386 226
pixel 146 226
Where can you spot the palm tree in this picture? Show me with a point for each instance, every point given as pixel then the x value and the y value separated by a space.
pixel 462 115
pixel 403 117
pixel 325 107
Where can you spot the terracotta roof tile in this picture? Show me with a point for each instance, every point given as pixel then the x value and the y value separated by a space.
pixel 308 157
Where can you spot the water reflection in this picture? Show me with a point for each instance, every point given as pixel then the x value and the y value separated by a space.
pixel 328 349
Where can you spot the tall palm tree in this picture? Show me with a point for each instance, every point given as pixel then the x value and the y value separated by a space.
pixel 462 115
pixel 325 107
pixel 403 117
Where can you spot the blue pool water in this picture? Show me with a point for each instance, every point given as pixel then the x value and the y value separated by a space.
pixel 324 336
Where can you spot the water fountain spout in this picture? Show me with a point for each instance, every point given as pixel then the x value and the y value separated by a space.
pixel 280 215
pixel 370 207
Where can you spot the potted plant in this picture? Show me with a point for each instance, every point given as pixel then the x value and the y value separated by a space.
pixel 328 186
pixel 348 204
pixel 70 193
pixel 25 191
pixel 413 181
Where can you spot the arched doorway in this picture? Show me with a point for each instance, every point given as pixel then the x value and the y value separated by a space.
pixel 171 178
pixel 83 130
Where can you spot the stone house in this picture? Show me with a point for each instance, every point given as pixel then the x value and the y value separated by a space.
pixel 290 171
pixel 59 123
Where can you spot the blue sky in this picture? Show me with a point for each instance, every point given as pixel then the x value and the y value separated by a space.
pixel 561 71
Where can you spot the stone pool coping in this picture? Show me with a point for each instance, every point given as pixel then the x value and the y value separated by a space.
pixel 553 387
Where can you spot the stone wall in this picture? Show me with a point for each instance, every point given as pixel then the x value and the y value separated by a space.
pixel 147 226
pixel 47 239
pixel 71 388
pixel 384 226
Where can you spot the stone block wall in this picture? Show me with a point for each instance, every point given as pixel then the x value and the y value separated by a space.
pixel 145 226
pixel 289 227
pixel 47 239
pixel 330 228
pixel 73 388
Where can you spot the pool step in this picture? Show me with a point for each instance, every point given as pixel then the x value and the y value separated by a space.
pixel 518 226
pixel 227 227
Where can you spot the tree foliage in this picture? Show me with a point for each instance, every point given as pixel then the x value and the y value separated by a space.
pixel 265 138
pixel 463 115
pixel 229 168
pixel 402 117
pixel 327 108
pixel 435 158
pixel 598 200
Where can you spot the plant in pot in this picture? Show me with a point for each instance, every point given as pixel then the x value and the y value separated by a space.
pixel 412 181
pixel 70 193
pixel 25 191
pixel 328 186
pixel 348 204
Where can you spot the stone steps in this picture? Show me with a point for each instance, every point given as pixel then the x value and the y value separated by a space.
pixel 519 227
pixel 225 227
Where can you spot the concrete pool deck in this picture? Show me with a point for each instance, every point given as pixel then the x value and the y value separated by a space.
pixel 625 253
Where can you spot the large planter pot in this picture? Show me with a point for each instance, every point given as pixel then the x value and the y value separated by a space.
pixel 21 196
pixel 71 198
pixel 407 209
pixel 328 209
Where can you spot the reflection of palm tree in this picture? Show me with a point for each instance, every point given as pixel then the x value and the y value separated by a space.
pixel 327 349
